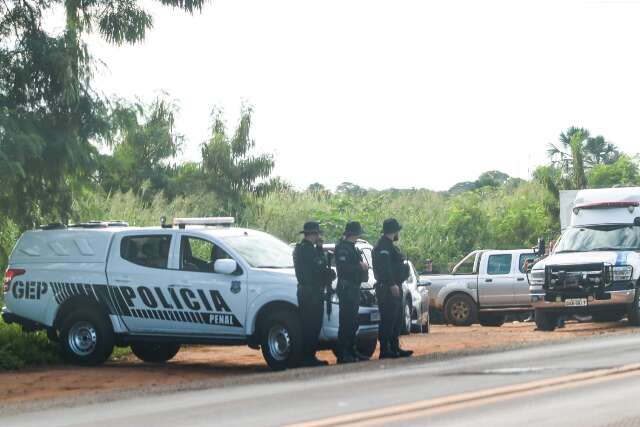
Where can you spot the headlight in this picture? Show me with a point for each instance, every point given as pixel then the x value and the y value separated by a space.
pixel 536 277
pixel 622 273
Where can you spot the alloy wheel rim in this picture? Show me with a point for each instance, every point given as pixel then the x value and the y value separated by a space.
pixel 460 310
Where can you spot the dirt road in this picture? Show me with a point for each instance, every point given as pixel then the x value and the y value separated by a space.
pixel 197 363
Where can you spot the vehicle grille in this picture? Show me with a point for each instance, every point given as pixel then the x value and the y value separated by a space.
pixel 368 298
pixel 584 277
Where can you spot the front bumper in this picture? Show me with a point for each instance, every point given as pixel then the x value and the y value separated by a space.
pixel 368 318
pixel 615 298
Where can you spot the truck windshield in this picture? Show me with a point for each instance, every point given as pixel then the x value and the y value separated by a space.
pixel 262 250
pixel 619 237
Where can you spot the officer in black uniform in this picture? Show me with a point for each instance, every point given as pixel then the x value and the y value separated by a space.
pixel 352 271
pixel 390 271
pixel 313 274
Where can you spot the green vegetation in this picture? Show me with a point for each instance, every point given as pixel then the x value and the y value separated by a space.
pixel 18 349
pixel 70 154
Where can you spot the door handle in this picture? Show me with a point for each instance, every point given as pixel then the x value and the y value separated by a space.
pixel 520 279
pixel 488 280
pixel 124 280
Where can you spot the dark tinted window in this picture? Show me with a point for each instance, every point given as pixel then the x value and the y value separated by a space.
pixel 148 251
pixel 499 264
pixel 523 259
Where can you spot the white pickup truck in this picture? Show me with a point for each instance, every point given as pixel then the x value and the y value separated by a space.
pixel 98 285
pixel 484 287
pixel 594 268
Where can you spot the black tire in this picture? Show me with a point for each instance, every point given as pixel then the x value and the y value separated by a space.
pixel 460 310
pixel 86 336
pixel 407 315
pixel 492 320
pixel 633 311
pixel 281 340
pixel 155 352
pixel 367 346
pixel 546 321
pixel 607 316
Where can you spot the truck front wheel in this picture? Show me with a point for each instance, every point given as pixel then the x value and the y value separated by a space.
pixel 633 312
pixel 86 337
pixel 281 340
pixel 546 321
pixel 460 310
pixel 152 352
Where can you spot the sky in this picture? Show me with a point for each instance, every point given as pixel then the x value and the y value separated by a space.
pixel 398 93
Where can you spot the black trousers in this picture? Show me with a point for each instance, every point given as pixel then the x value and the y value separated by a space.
pixel 390 318
pixel 311 307
pixel 348 327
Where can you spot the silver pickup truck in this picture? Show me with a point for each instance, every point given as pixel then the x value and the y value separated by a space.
pixel 484 287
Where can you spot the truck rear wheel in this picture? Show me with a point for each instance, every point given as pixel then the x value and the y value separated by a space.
pixel 152 352
pixel 492 320
pixel 87 337
pixel 281 340
pixel 460 310
pixel 546 321
pixel 633 311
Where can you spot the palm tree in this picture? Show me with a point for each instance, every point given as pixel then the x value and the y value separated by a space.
pixel 570 156
pixel 599 151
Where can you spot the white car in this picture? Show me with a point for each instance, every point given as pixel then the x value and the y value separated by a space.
pixel 595 267
pixel 415 294
pixel 202 281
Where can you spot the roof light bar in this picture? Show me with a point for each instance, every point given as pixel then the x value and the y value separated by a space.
pixel 219 221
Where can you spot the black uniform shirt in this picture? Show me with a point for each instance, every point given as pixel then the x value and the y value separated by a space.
pixel 348 259
pixel 310 264
pixel 389 267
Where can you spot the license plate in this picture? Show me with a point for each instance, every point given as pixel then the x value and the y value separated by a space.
pixel 375 316
pixel 575 302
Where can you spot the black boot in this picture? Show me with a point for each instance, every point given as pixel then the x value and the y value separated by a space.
pixel 346 358
pixel 313 361
pixel 395 347
pixel 361 357
pixel 386 352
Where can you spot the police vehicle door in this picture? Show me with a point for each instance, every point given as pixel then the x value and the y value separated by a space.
pixel 495 282
pixel 139 274
pixel 218 301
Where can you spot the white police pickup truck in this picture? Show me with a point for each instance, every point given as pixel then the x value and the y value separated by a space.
pixel 96 285
pixel 595 267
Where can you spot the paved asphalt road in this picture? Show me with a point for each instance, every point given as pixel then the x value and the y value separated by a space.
pixel 561 384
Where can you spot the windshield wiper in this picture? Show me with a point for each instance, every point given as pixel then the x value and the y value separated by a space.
pixel 607 248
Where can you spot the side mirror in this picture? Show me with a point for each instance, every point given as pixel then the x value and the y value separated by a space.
pixel 422 283
pixel 225 266
pixel 636 221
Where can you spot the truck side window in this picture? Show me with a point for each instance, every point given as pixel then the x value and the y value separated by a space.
pixel 499 264
pixel 200 255
pixel 523 259
pixel 146 250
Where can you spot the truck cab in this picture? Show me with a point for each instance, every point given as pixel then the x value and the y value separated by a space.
pixel 484 287
pixel 594 268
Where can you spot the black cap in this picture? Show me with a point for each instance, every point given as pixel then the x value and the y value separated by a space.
pixel 311 227
pixel 391 225
pixel 353 228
